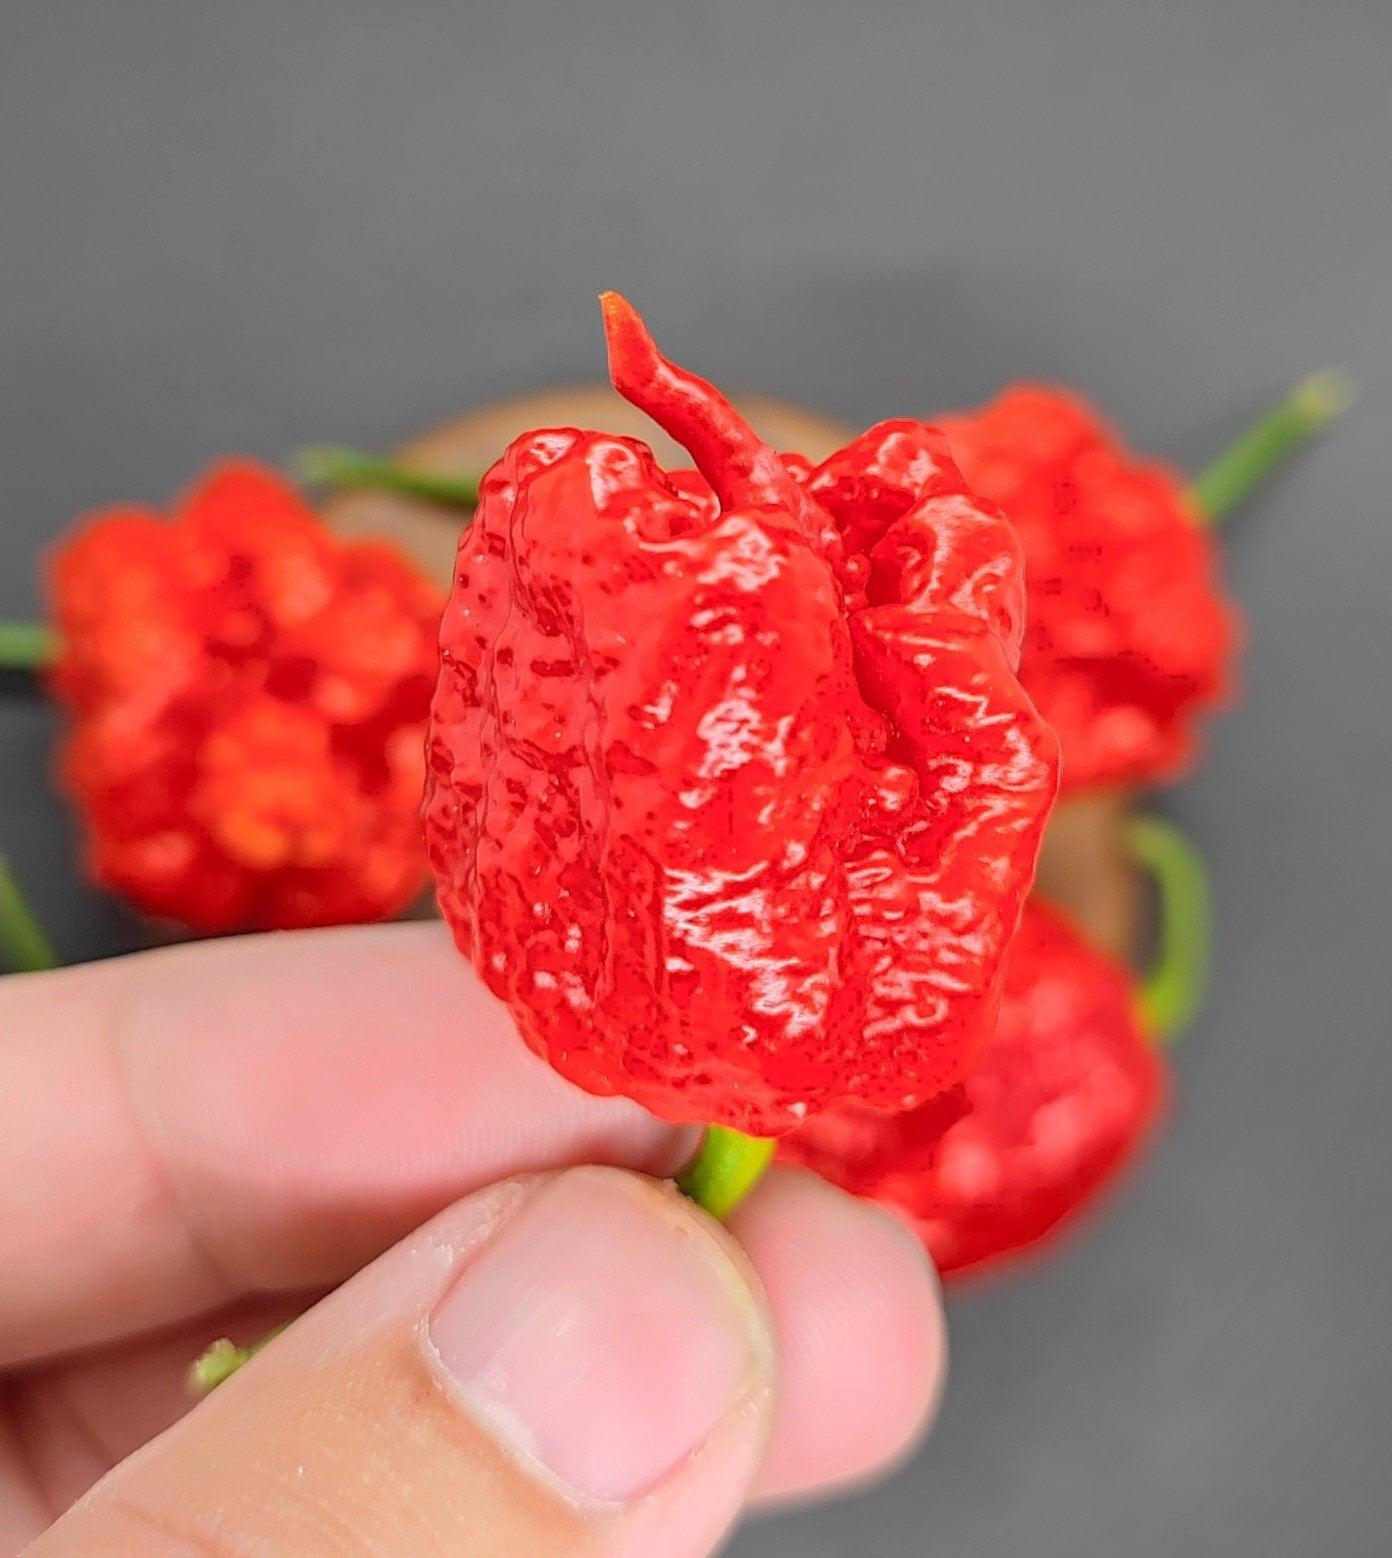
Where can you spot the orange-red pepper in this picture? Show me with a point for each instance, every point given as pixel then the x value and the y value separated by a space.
pixel 248 699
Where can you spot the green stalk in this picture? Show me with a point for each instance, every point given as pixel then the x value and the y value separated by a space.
pixel 726 1170
pixel 26 646
pixel 329 465
pixel 1173 989
pixel 1232 476
pixel 24 944
pixel 222 1359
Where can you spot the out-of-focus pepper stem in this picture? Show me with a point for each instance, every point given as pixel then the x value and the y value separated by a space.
pixel 1232 476
pixel 727 1168
pixel 26 646
pixel 24 944
pixel 222 1360
pixel 328 465
pixel 1173 989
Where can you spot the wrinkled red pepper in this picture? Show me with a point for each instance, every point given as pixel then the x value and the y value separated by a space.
pixel 734 795
pixel 248 699
pixel 1059 1103
pixel 1130 637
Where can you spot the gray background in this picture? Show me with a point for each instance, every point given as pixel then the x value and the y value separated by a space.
pixel 245 226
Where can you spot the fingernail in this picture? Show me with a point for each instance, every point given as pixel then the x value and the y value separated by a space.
pixel 602 1334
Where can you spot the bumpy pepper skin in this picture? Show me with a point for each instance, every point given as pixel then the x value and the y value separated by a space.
pixel 1130 637
pixel 248 699
pixel 733 793
pixel 1059 1103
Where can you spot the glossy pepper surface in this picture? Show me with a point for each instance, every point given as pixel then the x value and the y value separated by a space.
pixel 733 793
pixel 248 699
pixel 1130 638
pixel 1060 1101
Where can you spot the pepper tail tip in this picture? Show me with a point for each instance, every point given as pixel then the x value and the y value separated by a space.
pixel 633 354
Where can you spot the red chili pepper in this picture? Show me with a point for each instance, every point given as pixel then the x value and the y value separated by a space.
pixel 248 700
pixel 1061 1099
pixel 734 799
pixel 1059 1103
pixel 1130 636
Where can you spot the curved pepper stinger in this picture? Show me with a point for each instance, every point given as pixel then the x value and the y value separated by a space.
pixel 741 468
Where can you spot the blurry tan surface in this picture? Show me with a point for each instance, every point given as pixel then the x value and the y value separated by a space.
pixel 471 442
pixel 1085 869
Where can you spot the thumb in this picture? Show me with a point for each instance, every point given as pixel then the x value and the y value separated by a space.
pixel 578 1363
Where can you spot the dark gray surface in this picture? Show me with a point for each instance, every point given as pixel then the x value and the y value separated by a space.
pixel 247 226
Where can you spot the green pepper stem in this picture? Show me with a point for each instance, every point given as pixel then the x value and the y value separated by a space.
pixel 222 1359
pixel 1235 473
pixel 24 944
pixel 328 465
pixel 1173 989
pixel 26 646
pixel 727 1168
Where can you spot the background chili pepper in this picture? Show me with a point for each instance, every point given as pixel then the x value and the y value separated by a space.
pixel 1062 1099
pixel 736 809
pixel 1130 636
pixel 1059 1102
pixel 247 698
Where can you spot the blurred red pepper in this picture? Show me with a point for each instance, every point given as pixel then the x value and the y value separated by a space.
pixel 1061 1100
pixel 1130 638
pixel 248 699
pixel 734 799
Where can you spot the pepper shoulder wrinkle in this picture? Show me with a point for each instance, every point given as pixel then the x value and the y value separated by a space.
pixel 733 793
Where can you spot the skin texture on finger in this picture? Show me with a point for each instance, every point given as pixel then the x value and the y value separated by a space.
pixel 77 1418
pixel 862 1345
pixel 394 1418
pixel 855 1312
pixel 265 1113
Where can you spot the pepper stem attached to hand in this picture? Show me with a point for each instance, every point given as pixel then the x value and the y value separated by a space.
pixel 26 646
pixel 1173 989
pixel 24 944
pixel 328 465
pixel 1232 475
pixel 727 1168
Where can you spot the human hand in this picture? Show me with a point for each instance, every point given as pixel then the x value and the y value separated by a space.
pixel 205 1139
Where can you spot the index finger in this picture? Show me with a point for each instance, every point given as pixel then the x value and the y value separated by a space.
pixel 187 1126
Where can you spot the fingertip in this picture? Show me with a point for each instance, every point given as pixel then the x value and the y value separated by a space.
pixel 858 1318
